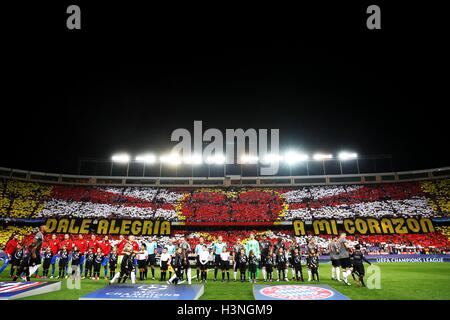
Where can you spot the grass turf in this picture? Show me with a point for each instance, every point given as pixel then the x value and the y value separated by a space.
pixel 428 281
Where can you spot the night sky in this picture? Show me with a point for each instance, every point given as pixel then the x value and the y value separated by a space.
pixel 132 75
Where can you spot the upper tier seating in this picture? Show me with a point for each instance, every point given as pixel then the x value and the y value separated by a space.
pixel 245 205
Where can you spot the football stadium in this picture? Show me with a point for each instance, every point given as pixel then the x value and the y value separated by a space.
pixel 398 220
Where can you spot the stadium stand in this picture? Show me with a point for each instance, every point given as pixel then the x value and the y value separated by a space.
pixel 424 199
pixel 438 193
pixel 22 199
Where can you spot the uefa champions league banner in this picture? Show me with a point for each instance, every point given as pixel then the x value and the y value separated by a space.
pixel 383 258
pixel 146 292
pixel 409 258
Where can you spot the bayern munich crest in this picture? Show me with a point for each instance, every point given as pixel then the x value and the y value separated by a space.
pixel 297 292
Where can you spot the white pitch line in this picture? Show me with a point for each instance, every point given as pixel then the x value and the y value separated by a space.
pixel 183 281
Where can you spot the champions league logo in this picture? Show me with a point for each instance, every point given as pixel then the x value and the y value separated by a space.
pixel 297 292
pixel 142 292
pixel 152 287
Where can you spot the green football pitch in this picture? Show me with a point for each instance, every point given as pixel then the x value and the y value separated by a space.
pixel 429 281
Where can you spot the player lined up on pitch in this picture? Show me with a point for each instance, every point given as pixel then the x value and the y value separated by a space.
pixel 132 258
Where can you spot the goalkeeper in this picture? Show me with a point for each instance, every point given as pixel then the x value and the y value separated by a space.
pixel 252 244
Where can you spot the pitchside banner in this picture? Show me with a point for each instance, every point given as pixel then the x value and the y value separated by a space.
pixel 147 292
pixel 367 226
pixel 386 258
pixel 109 226
pixel 421 258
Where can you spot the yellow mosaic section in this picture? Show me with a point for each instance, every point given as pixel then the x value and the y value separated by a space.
pixel 445 230
pixel 22 199
pixel 439 194
pixel 6 233
pixel 179 207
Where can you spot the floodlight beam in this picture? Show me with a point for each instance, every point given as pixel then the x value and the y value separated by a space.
pixel 347 155
pixel 218 159
pixel 146 158
pixel 121 158
pixel 322 157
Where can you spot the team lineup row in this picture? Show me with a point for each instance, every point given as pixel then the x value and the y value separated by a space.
pixel 86 258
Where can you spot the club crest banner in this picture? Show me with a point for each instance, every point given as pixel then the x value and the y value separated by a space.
pixel 297 292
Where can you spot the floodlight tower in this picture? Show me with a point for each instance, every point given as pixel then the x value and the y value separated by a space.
pixel 322 157
pixel 345 156
pixel 292 158
pixel 123 158
pixel 146 159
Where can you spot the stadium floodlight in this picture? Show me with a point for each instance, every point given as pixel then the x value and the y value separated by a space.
pixel 292 157
pixel 249 159
pixel 193 159
pixel 322 156
pixel 171 159
pixel 146 158
pixel 272 158
pixel 347 155
pixel 216 159
pixel 121 158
